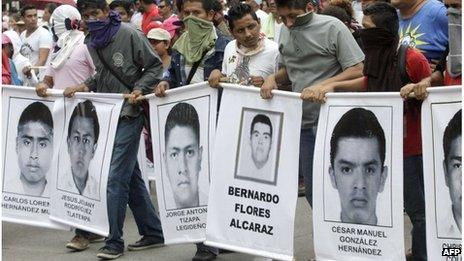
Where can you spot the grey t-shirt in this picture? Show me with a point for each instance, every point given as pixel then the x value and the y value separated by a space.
pixel 316 51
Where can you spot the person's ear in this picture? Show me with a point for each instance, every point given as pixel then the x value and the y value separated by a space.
pixel 210 14
pixel 309 7
pixel 445 172
pixel 333 181
pixel 383 178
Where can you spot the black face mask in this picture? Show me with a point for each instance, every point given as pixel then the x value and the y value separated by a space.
pixel 303 19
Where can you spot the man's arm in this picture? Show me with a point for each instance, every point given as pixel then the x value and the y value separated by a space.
pixel 273 81
pixel 317 94
pixel 43 56
pixel 145 57
pixel 350 79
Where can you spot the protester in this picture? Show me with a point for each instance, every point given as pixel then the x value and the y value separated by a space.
pixel 16 23
pixel 18 63
pixel 423 25
pixel 272 25
pixel 109 39
pixel 150 12
pixel 343 16
pixel 449 69
pixel 255 5
pixel 219 20
pixel 123 8
pixel 250 58
pixel 200 44
pixel 160 40
pixel 37 41
pixel 136 18
pixel 166 10
pixel 315 50
pixel 382 73
pixel 48 11
pixel 198 52
pixel 6 71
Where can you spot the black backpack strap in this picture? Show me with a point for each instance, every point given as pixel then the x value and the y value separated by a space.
pixel 402 51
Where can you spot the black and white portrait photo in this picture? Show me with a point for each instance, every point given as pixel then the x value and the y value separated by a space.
pixel 259 142
pixel 82 136
pixel 357 168
pixel 448 170
pixel 184 147
pixel 29 151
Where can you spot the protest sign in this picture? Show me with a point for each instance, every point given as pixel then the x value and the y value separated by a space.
pixel 255 173
pixel 358 178
pixel 79 196
pixel 32 127
pixel 442 155
pixel 184 122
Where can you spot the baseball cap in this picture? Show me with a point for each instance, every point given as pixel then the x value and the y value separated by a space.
pixel 5 39
pixel 159 34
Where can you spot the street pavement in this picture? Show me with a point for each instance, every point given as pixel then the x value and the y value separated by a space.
pixel 21 242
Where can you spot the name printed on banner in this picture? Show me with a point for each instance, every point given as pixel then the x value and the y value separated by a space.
pixel 25 204
pixel 253 210
pixel 188 218
pixel 78 208
pixel 359 240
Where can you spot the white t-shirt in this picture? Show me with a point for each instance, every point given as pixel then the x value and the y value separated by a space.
pixel 40 38
pixel 261 15
pixel 261 64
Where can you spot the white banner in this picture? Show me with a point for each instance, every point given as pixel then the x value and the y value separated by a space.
pixel 32 127
pixel 184 124
pixel 255 171
pixel 358 178
pixel 442 154
pixel 79 192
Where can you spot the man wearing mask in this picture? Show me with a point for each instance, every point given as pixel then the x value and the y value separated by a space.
pixel 383 74
pixel 197 52
pixel 315 50
pixel 117 47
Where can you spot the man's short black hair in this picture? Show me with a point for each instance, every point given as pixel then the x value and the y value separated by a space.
pixel 147 2
pixel 126 4
pixel 337 12
pixel 97 4
pixel 85 109
pixel 261 118
pixel 27 7
pixel 182 115
pixel 383 15
pixel 36 112
pixel 208 5
pixel 357 123
pixel 239 11
pixel 292 4
pixel 452 131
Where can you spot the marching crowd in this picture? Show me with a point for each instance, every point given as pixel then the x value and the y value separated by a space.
pixel 307 46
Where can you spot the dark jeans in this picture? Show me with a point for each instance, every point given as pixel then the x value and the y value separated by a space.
pixel 414 204
pixel 307 142
pixel 126 186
